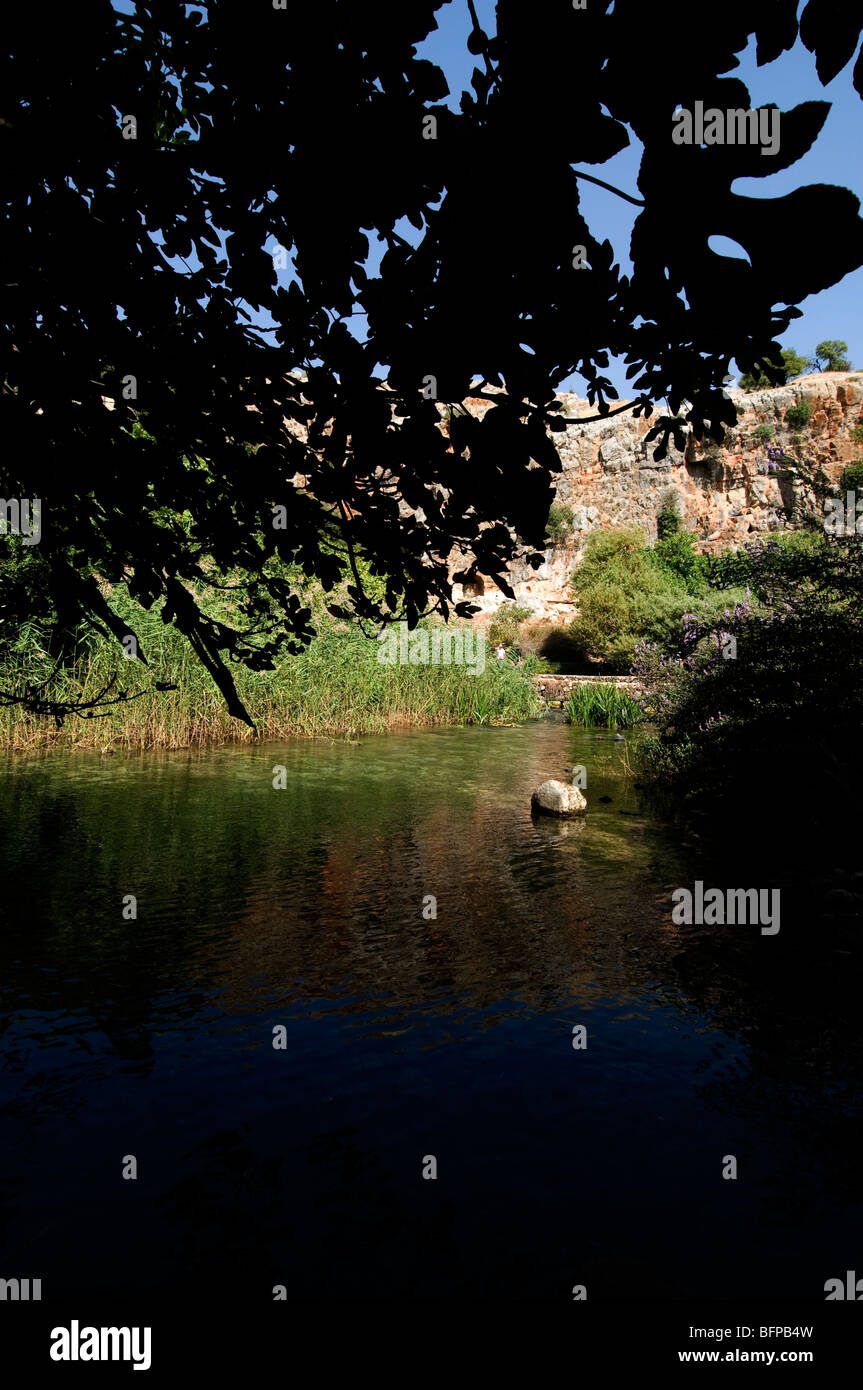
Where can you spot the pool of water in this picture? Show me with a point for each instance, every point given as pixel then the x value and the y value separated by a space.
pixel 413 1030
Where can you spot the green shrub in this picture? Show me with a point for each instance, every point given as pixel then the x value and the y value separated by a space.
pixel 559 527
pixel 668 520
pixel 764 432
pixel 623 595
pixel 798 415
pixel 504 626
pixel 730 573
pixel 606 628
pixel 852 477
pixel 629 593
pixel 618 547
pixel 794 364
pixel 857 434
pixel 677 557
pixel 534 665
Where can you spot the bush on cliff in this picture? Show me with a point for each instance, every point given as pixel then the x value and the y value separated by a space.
pixel 668 521
pixel 559 526
pixel 852 477
pixel 628 593
pixel 623 597
pixel 675 555
pixel 798 415
pixel 829 356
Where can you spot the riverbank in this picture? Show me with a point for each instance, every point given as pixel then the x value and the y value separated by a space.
pixel 337 688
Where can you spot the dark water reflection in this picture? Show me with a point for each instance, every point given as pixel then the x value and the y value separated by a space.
pixel 409 1037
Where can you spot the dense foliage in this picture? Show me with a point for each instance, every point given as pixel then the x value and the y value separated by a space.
pixel 668 520
pixel 829 356
pixel 337 687
pixel 769 692
pixel 202 200
pixel 798 415
pixel 628 593
pixel 505 626
pixel 790 364
pixel 832 356
pixel 852 477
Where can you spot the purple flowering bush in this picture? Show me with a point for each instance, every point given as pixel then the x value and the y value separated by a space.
pixel 770 685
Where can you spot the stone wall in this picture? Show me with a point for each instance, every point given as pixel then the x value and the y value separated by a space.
pixel 726 495
pixel 556 687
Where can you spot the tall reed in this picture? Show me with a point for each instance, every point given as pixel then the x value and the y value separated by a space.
pixel 335 688
pixel 602 706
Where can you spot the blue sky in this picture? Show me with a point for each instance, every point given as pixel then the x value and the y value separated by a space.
pixel 835 158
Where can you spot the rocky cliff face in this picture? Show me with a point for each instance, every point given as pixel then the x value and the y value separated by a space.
pixel 726 495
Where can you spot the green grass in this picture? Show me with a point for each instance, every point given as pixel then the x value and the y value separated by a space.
pixel 336 688
pixel 602 706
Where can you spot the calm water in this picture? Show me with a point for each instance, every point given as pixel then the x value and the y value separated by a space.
pixel 408 1037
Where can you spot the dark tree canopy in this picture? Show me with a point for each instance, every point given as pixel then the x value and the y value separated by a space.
pixel 306 127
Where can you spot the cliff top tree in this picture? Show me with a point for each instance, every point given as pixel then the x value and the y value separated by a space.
pixel 832 356
pixel 178 177
pixel 791 365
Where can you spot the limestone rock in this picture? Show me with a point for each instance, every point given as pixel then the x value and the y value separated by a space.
pixel 727 495
pixel 558 799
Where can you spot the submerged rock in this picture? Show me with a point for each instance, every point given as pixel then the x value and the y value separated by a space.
pixel 558 799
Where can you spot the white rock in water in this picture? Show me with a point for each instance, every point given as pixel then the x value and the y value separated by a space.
pixel 559 799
